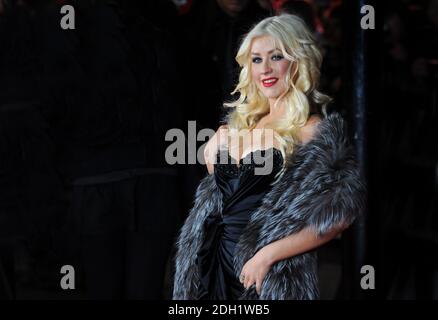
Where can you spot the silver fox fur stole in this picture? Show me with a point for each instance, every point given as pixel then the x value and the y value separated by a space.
pixel 321 187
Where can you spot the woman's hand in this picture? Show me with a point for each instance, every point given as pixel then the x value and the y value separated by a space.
pixel 255 270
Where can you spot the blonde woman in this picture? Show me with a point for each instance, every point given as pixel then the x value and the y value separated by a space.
pixel 252 235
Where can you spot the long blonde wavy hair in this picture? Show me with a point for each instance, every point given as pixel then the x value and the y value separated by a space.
pixel 297 43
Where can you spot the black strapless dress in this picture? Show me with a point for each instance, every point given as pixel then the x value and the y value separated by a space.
pixel 243 188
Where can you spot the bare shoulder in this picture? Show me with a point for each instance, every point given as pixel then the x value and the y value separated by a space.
pixel 307 132
pixel 223 129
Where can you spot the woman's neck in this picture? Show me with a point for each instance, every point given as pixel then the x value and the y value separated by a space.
pixel 276 108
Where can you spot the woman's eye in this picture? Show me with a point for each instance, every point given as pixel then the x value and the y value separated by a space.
pixel 256 60
pixel 277 57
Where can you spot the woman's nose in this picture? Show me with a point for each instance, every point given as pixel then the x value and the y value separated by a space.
pixel 266 67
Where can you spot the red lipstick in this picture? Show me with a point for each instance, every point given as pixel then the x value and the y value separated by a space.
pixel 269 82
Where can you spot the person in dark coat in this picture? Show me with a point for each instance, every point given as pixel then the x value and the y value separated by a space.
pixel 110 93
pixel 32 197
pixel 210 37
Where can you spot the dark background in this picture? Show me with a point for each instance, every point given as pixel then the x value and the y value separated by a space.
pixel 84 112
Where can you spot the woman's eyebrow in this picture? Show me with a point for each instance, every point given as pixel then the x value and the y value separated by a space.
pixel 270 51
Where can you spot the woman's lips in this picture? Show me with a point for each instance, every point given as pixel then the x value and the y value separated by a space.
pixel 269 82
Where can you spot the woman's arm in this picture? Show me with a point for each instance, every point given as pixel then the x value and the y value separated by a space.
pixel 297 243
pixel 212 146
pixel 255 269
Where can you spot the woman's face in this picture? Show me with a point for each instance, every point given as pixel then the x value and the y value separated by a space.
pixel 268 67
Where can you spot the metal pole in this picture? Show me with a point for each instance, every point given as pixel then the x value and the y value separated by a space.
pixel 355 240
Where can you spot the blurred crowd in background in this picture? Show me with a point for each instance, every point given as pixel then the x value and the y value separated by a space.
pixel 84 113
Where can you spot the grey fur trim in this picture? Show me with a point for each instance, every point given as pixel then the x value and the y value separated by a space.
pixel 321 188
pixel 208 200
